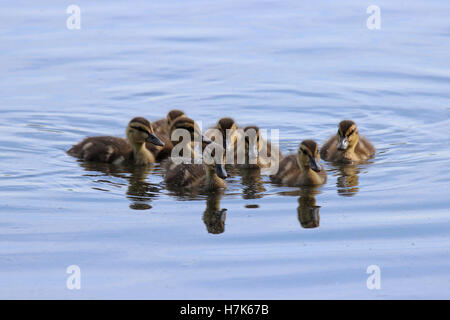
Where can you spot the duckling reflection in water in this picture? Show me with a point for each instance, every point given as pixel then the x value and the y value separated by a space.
pixel 214 217
pixel 308 211
pixel 347 180
pixel 253 187
pixel 140 192
pixel 347 145
pixel 117 150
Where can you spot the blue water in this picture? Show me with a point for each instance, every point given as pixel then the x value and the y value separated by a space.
pixel 297 67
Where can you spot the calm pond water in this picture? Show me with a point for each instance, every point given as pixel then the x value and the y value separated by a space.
pixel 297 67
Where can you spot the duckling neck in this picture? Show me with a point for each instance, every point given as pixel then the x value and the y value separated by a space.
pixel 309 176
pixel 350 152
pixel 213 181
pixel 141 155
pixel 313 177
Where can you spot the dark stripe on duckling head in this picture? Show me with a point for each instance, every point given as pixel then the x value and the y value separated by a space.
pixel 186 124
pixel 141 120
pixel 256 128
pixel 139 128
pixel 309 145
pixel 344 127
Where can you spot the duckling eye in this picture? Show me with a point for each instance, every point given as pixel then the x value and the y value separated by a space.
pixel 351 132
pixel 304 152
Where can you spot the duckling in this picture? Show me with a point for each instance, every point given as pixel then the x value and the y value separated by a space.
pixel 117 150
pixel 347 145
pixel 258 152
pixel 162 130
pixel 207 176
pixel 190 127
pixel 229 131
pixel 301 169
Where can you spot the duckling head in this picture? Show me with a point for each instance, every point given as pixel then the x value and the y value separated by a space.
pixel 228 128
pixel 189 125
pixel 347 135
pixel 253 141
pixel 184 133
pixel 308 156
pixel 214 159
pixel 139 131
pixel 174 114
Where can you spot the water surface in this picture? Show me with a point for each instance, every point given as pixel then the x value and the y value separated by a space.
pixel 296 67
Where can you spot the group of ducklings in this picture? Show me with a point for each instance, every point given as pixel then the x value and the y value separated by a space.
pixel 147 143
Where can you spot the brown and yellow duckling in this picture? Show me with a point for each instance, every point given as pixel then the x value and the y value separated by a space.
pixel 162 130
pixel 207 176
pixel 228 131
pixel 255 153
pixel 301 169
pixel 117 150
pixel 186 128
pixel 182 176
pixel 259 153
pixel 347 145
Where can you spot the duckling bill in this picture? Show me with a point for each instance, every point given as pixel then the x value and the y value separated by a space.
pixel 117 150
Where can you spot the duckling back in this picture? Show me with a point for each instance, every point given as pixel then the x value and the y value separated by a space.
pixel 288 171
pixel 184 175
pixel 209 174
pixel 364 149
pixel 103 149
